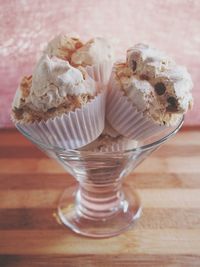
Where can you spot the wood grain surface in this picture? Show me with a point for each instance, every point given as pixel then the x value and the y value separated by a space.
pixel 168 233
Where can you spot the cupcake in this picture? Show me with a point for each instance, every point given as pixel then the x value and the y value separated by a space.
pixel 55 88
pixel 60 104
pixel 110 141
pixel 63 102
pixel 147 93
pixel 96 55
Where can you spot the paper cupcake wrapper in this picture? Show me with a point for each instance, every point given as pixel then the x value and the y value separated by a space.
pixel 119 146
pixel 72 130
pixel 100 72
pixel 126 119
pixel 115 145
pixel 109 131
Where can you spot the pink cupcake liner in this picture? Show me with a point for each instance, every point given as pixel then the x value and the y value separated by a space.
pixel 115 145
pixel 72 130
pixel 119 146
pixel 109 131
pixel 100 72
pixel 126 119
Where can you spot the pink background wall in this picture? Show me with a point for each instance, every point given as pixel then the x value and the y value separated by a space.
pixel 26 25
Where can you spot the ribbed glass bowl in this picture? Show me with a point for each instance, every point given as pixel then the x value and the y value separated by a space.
pixel 99 206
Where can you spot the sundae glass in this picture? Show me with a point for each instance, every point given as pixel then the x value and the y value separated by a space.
pixel 99 205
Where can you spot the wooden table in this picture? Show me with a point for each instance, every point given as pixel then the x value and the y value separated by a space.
pixel 168 233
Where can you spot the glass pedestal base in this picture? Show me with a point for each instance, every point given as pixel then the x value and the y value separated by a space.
pixel 101 223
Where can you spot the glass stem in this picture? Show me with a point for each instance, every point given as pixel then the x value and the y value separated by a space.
pixel 98 201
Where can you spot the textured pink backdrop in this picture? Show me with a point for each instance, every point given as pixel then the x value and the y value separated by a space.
pixel 26 25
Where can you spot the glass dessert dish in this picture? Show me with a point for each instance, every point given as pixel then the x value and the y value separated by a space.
pixel 99 206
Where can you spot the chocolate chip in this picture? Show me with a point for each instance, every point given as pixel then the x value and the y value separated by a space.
pixel 134 65
pixel 160 88
pixel 172 104
pixel 171 109
pixel 171 100
pixel 51 110
pixel 144 77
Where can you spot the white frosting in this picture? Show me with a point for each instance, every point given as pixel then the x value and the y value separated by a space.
pixel 139 93
pixel 179 84
pixel 54 79
pixel 181 79
pixel 62 46
pixel 53 47
pixel 93 52
pixel 17 99
pixel 149 61
pixel 22 92
pixel 148 53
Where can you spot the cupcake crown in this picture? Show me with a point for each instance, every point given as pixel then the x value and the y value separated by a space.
pixel 171 83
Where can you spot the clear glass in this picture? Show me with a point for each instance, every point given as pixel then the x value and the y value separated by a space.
pixel 99 206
